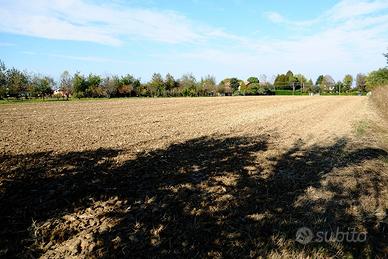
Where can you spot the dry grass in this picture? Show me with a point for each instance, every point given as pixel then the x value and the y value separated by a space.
pixel 380 100
pixel 379 129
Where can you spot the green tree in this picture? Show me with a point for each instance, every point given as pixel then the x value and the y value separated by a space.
pixel 300 81
pixel 253 87
pixel 189 85
pixel 347 83
pixel 94 88
pixel 136 86
pixel 80 85
pixel 377 78
pixel 253 80
pixel 170 83
pixel 290 76
pixel 157 84
pixel 319 80
pixel 16 83
pixel 386 55
pixel 129 86
pixel 234 84
pixel 42 86
pixel 283 81
pixel 308 86
pixel 361 82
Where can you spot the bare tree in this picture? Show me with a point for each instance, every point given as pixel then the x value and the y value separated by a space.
pixel 66 84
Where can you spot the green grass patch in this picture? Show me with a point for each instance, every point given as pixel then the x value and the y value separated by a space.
pixel 39 100
pixel 361 127
pixel 31 100
pixel 289 92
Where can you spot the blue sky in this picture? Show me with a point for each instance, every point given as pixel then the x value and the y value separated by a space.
pixel 239 38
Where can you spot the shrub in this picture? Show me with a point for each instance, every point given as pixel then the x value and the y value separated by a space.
pixel 377 78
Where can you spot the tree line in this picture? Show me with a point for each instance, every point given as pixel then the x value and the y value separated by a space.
pixel 21 84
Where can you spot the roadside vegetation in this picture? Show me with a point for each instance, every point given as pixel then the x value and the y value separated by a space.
pixel 16 85
pixel 380 100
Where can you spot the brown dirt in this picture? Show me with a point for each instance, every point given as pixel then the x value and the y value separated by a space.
pixel 191 177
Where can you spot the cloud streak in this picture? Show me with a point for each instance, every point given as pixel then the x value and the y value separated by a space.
pixel 100 23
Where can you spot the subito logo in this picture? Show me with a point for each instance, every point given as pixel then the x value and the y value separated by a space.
pixel 304 235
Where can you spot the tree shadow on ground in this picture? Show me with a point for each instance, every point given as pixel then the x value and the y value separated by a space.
pixel 207 197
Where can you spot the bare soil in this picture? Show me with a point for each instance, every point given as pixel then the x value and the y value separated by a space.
pixel 192 177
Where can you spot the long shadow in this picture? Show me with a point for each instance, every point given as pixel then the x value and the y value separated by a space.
pixel 207 197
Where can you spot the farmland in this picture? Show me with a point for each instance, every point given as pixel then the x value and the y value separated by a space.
pixel 192 177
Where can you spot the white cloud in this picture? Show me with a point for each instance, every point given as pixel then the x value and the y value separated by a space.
pixel 106 24
pixel 7 44
pixel 347 38
pixel 275 17
pixel 98 59
pixel 90 58
pixel 350 8
pixel 350 37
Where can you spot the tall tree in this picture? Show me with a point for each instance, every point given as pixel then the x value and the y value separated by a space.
pixel 157 84
pixel 386 55
pixel 253 87
pixel 189 84
pixel 80 85
pixel 300 81
pixel 347 83
pixel 282 82
pixel 319 80
pixel 3 80
pixel 308 86
pixel 327 84
pixel 234 84
pixel 110 84
pixel 338 87
pixel 361 82
pixel 42 86
pixel 128 86
pixel 66 84
pixel 170 82
pixel 94 86
pixel 290 76
pixel 208 84
pixel 16 83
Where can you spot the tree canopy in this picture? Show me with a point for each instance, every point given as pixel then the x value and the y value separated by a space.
pixel 15 83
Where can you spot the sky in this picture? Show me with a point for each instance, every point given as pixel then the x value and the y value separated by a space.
pixel 228 38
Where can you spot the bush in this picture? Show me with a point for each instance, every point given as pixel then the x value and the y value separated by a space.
pixel 377 78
